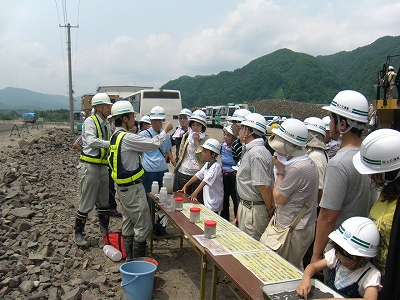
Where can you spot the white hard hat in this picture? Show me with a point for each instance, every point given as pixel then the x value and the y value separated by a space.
pixel 327 121
pixel 213 145
pixel 239 115
pixel 229 129
pixel 284 119
pixel 255 121
pixel 350 104
pixel 186 112
pixel 315 124
pixel 275 119
pixel 121 107
pixel 379 152
pixel 145 119
pixel 157 113
pixel 391 68
pixel 199 116
pixel 294 131
pixel 101 98
pixel 357 236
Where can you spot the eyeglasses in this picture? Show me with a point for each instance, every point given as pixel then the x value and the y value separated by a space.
pixel 183 117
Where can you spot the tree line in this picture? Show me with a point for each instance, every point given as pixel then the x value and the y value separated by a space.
pixel 58 115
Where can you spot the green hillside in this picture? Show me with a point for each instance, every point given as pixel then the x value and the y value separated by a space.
pixel 359 67
pixel 285 74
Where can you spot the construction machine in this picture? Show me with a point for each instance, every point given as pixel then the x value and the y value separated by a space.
pixel 29 117
pixel 387 105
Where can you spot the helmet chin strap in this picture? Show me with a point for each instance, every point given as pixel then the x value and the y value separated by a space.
pixel 352 124
pixel 101 113
pixel 311 136
pixel 291 152
pixel 244 137
pixel 389 181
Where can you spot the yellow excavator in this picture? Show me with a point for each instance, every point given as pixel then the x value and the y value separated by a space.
pixel 387 105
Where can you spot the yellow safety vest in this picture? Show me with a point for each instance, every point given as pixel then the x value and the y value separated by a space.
pixel 118 172
pixel 101 158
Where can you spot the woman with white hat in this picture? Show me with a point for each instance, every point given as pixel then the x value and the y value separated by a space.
pixel 379 157
pixel 190 157
pixel 296 187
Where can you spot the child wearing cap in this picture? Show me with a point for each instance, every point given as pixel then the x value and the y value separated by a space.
pixel 210 176
pixel 352 274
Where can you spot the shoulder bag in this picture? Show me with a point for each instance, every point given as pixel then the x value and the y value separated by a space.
pixel 277 238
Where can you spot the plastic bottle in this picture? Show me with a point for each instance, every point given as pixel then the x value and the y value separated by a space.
pixel 168 182
pixel 163 195
pixel 195 214
pixel 178 203
pixel 169 203
pixel 210 229
pixel 112 253
pixel 154 188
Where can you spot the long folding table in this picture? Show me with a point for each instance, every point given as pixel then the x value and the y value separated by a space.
pixel 241 259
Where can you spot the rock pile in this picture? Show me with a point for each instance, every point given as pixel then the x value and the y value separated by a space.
pixel 39 192
pixel 298 110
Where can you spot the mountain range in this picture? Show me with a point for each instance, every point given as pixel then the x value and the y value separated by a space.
pixel 22 99
pixel 282 75
pixel 289 75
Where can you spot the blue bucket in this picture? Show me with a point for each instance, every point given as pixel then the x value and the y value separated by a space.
pixel 137 279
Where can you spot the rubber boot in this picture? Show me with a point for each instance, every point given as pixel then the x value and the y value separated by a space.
pixel 104 221
pixel 78 229
pixel 128 245
pixel 139 249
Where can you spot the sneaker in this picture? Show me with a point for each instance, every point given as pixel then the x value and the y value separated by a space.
pixel 115 213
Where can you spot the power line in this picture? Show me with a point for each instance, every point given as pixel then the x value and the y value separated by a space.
pixel 77 34
pixel 65 11
pixel 62 44
pixel 70 90
pixel 67 27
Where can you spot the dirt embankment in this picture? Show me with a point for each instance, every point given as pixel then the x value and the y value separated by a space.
pixel 297 110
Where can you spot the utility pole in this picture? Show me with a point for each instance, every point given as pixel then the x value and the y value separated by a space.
pixel 70 91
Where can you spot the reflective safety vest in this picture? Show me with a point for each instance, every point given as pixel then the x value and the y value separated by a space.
pixel 118 172
pixel 101 158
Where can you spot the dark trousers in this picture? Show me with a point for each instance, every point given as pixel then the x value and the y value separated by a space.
pixel 180 180
pixel 229 181
pixel 149 177
pixel 111 192
pixel 147 180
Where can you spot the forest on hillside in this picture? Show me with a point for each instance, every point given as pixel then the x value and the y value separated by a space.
pixel 288 75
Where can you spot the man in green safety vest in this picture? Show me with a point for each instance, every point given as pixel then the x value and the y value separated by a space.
pixel 93 168
pixel 127 170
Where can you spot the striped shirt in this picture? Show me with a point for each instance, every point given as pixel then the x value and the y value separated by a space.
pixel 236 149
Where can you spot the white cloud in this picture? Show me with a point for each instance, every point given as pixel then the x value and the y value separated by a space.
pixel 149 45
pixel 127 61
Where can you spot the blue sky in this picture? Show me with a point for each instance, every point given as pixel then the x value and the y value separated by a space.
pixel 148 43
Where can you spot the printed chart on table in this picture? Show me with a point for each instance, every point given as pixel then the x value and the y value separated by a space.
pixel 264 263
pixel 268 266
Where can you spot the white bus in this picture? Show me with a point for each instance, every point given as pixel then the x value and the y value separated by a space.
pixel 144 100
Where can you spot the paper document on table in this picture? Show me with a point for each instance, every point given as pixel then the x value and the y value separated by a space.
pixel 212 245
pixel 268 266
pixel 230 243
pixel 206 214
pixel 239 241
